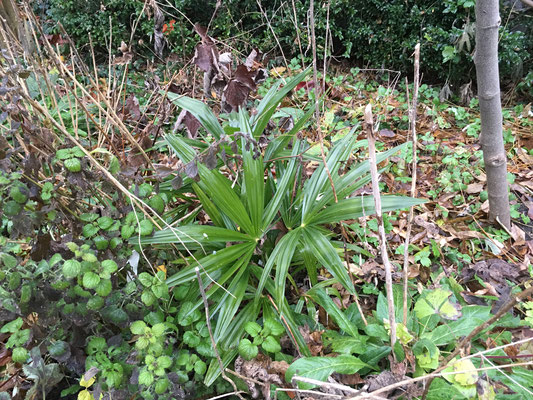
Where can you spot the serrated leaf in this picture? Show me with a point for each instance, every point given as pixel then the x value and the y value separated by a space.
pixel 148 298
pixel 138 327
pixel 145 377
pixel 71 268
pixel 89 230
pixel 90 280
pixel 73 164
pixel 104 222
pixel 104 288
pixel 109 266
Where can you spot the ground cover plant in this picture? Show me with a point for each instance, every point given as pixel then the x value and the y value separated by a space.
pixel 190 235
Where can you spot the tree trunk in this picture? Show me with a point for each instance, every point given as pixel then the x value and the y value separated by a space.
pixel 488 81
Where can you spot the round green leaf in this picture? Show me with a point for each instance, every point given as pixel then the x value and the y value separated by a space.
pixel 200 367
pixel 148 298
pixel 252 328
pixel 159 329
pixel 104 222
pixel 146 227
pixel 274 327
pixel 146 279
pixel 19 355
pixel 247 350
pixel 164 362
pixel 11 208
pixel 157 203
pixel 101 243
pixel 127 231
pixel 271 345
pixel 95 303
pixel 104 288
pixel 145 377
pixel 90 280
pixel 161 386
pixel 191 339
pixel 73 164
pixel 71 268
pixel 89 230
pixel 109 266
pixel 138 327
pixel 17 193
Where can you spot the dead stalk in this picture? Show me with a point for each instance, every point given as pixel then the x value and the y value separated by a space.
pixel 369 125
pixel 317 105
pixel 412 120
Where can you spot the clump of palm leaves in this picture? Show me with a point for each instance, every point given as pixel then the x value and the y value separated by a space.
pixel 267 221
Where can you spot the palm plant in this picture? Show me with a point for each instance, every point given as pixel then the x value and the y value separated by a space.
pixel 265 221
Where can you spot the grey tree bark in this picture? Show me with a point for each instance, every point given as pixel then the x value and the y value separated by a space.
pixel 488 81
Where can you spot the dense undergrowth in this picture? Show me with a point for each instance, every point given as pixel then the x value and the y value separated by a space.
pixel 374 33
pixel 121 214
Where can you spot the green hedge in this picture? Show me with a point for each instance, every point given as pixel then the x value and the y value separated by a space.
pixel 374 32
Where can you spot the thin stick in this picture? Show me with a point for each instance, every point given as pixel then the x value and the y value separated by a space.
pixel 505 308
pixel 412 118
pixel 317 107
pixel 213 343
pixel 322 384
pixel 369 123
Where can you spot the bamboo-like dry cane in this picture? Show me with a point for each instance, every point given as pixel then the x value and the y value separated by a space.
pixel 369 126
pixel 412 120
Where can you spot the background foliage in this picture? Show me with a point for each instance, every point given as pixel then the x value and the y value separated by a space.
pixel 375 33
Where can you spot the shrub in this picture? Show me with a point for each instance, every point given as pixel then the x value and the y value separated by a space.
pixel 375 33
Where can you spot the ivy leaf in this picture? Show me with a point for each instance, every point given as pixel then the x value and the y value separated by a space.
pixel 321 368
pixel 13 326
pixel 465 373
pixel 437 302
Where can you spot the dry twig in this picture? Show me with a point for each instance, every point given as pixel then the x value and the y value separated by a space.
pixel 369 125
pixel 412 119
